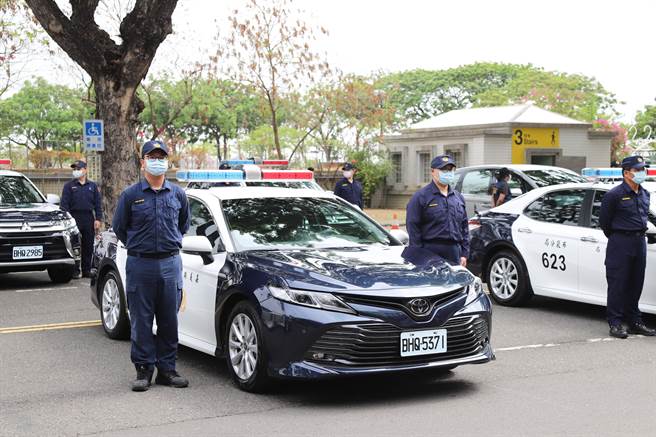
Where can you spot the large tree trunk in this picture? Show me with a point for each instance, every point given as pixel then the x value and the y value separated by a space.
pixel 120 160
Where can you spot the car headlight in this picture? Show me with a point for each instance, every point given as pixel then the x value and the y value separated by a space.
pixel 474 290
pixel 312 299
pixel 69 223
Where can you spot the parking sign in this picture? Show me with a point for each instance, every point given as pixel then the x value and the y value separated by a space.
pixel 93 132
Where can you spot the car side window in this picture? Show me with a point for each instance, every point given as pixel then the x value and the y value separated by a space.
pixel 517 183
pixel 202 224
pixel 596 209
pixel 559 207
pixel 476 182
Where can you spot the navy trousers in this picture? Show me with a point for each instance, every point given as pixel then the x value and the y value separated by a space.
pixel 448 251
pixel 154 290
pixel 84 222
pixel 626 259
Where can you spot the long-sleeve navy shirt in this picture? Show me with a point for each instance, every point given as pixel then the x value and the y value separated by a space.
pixel 432 217
pixel 622 209
pixel 80 198
pixel 149 221
pixel 350 191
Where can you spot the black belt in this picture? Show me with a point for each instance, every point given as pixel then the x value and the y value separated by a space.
pixel 154 255
pixel 441 241
pixel 630 233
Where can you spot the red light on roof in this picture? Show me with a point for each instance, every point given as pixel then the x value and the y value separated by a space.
pixel 6 162
pixel 287 174
pixel 275 162
pixel 651 172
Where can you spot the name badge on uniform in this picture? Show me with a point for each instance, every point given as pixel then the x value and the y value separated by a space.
pixel 432 204
pixel 345 185
pixel 138 201
pixel 626 198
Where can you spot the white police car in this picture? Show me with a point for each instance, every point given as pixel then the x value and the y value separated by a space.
pixel 291 283
pixel 548 242
pixel 250 173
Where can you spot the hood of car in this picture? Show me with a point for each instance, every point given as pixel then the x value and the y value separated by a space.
pixel 31 212
pixel 360 268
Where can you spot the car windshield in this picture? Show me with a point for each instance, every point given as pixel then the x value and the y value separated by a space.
pixel 280 223
pixel 544 178
pixel 16 190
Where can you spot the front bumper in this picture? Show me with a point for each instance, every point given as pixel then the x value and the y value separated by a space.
pixel 60 248
pixel 308 343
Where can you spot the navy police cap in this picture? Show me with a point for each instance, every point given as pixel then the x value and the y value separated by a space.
pixel 348 166
pixel 151 145
pixel 442 161
pixel 633 162
pixel 79 164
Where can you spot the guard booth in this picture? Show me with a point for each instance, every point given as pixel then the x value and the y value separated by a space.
pixel 519 134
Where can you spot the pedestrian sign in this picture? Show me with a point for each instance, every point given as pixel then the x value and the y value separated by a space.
pixel 94 139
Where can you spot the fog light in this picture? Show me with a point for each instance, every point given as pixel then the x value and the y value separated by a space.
pixel 317 356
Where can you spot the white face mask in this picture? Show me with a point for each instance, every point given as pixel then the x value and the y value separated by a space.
pixel 77 174
pixel 348 174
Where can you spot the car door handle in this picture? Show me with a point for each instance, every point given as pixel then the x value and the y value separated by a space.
pixel 525 230
pixel 589 239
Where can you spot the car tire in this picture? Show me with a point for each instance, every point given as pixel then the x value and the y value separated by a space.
pixel 247 366
pixel 61 274
pixel 507 279
pixel 113 309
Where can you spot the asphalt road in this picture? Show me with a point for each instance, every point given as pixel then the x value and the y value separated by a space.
pixel 556 373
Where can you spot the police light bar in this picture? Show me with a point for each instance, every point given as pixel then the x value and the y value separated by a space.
pixel 232 162
pixel 209 175
pixel 5 163
pixel 287 174
pixel 602 172
pixel 651 172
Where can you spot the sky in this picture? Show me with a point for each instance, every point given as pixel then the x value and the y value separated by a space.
pixel 611 41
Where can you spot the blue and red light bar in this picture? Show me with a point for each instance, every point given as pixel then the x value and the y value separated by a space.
pixel 211 175
pixel 5 163
pixel 305 175
pixel 614 172
pixel 277 162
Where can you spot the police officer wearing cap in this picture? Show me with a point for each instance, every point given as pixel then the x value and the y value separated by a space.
pixel 436 218
pixel 150 219
pixel 623 218
pixel 81 198
pixel 348 188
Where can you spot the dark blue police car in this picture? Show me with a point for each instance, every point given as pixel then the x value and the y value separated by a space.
pixel 292 283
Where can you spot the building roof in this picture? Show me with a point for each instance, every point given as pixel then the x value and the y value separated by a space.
pixel 496 115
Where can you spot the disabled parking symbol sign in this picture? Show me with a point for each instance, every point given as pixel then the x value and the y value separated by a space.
pixel 94 138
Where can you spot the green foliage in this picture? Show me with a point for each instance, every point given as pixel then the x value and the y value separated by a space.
pixel 43 115
pixel 645 124
pixel 373 168
pixel 261 143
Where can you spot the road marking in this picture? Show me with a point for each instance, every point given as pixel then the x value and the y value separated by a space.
pixel 539 346
pixel 50 327
pixel 27 290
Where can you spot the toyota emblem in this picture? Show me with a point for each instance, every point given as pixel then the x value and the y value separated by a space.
pixel 419 306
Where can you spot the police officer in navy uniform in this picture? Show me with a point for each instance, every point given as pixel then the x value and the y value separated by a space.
pixel 623 218
pixel 81 197
pixel 502 192
pixel 436 218
pixel 348 188
pixel 150 219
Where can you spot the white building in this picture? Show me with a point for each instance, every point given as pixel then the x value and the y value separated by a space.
pixel 520 134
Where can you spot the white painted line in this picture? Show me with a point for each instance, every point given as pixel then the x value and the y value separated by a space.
pixel 28 290
pixel 589 340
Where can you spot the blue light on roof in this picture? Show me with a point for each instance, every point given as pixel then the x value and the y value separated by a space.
pixel 238 161
pixel 209 175
pixel 602 172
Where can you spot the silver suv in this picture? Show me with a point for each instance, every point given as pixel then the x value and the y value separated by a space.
pixel 35 234
pixel 476 182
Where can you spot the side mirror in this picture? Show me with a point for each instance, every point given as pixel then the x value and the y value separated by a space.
pixel 198 245
pixel 52 198
pixel 651 233
pixel 400 235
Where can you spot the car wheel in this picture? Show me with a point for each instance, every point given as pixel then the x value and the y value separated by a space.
pixel 507 279
pixel 61 275
pixel 245 350
pixel 113 311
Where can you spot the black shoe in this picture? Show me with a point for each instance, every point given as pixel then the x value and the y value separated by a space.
pixel 144 375
pixel 172 378
pixel 618 331
pixel 641 328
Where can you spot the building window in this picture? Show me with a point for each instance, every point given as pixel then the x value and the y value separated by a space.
pixel 396 158
pixel 456 154
pixel 424 167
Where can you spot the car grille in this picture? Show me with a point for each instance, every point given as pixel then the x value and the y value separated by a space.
pixel 403 303
pixel 54 247
pixel 379 344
